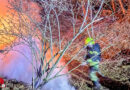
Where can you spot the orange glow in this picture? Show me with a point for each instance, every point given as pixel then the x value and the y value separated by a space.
pixel 7 14
pixel 14 64
pixel 55 50
pixel 3 7
pixel 4 39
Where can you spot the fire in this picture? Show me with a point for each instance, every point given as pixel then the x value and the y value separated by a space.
pixel 4 39
pixel 11 22
pixel 15 65
pixel 3 7
pixel 7 26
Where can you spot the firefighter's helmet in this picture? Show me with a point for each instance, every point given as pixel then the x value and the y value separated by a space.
pixel 89 41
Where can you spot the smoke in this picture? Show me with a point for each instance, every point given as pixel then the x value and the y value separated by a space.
pixel 17 63
pixel 59 83
pixel 14 65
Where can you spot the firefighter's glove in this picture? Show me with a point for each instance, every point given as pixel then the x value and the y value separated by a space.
pixel 83 63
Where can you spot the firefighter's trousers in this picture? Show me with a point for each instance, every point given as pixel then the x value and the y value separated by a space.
pixel 93 77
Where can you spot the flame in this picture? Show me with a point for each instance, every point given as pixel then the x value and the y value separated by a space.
pixel 3 7
pixel 8 15
pixel 4 39
pixel 15 65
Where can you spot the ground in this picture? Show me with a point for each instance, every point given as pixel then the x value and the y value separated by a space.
pixel 116 75
pixel 115 65
pixel 115 70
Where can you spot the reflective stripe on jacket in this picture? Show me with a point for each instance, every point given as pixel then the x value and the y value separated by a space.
pixel 92 63
pixel 94 52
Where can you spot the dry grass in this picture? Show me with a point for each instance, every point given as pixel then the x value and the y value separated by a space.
pixel 111 69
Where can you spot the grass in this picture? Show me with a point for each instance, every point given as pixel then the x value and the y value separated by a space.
pixel 112 69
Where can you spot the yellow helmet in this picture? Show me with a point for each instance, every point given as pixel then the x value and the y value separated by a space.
pixel 89 41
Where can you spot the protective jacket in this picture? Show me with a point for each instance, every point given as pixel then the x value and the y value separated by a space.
pixel 94 54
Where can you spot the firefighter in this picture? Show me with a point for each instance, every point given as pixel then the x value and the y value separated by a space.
pixel 92 59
